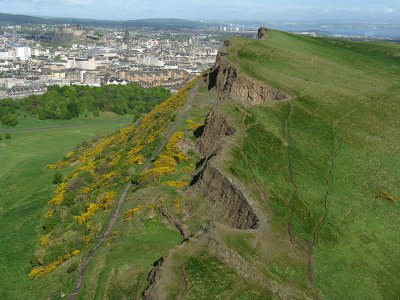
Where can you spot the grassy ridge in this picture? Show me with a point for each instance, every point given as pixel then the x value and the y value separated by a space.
pixel 346 113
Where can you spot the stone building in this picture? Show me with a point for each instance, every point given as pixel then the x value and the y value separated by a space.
pixel 19 92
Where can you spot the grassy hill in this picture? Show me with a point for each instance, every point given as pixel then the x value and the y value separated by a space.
pixel 343 131
pixel 232 193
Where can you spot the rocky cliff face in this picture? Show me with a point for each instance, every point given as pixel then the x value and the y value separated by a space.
pixel 227 195
pixel 229 83
pixel 216 127
pixel 236 210
pixel 153 278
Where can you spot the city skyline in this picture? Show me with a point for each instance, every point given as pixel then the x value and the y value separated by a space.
pixel 243 10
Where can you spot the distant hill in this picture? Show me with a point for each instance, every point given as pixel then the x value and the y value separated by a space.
pixel 21 19
pixel 169 23
pixel 9 19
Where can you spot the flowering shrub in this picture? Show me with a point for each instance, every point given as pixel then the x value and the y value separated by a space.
pixel 177 205
pixel 106 164
pixel 104 203
pixel 176 183
pixel 58 165
pixel 48 214
pixel 166 163
pixel 59 196
pixel 42 271
pixel 90 212
pixel 87 239
pixel 45 241
pixel 106 200
pixel 192 125
pixel 129 214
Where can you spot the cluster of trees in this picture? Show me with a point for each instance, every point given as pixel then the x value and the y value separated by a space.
pixel 8 109
pixel 70 101
pixel 64 103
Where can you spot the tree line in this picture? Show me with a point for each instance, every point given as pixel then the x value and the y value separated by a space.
pixel 64 103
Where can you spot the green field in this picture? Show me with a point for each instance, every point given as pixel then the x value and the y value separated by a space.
pixel 26 186
pixel 31 122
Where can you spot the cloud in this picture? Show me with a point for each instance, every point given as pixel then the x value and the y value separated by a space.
pixel 388 10
pixel 65 2
pixel 77 2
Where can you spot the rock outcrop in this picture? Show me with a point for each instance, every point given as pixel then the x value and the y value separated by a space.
pixel 261 33
pixel 228 197
pixel 155 291
pixel 235 208
pixel 216 127
pixel 153 278
pixel 229 83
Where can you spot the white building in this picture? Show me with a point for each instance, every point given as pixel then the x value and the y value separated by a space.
pixel 152 61
pixel 23 53
pixel 81 63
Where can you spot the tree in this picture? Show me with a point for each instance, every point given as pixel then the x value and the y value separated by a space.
pixel 7 136
pixel 58 178
pixel 9 120
pixel 73 109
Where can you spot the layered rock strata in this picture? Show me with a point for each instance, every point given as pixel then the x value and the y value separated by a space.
pixel 229 83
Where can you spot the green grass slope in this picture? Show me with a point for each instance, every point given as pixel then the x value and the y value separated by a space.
pixel 25 187
pixel 343 132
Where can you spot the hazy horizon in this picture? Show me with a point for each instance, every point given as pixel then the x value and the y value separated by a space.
pixel 387 11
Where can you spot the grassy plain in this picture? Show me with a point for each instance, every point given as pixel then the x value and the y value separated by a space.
pixel 25 187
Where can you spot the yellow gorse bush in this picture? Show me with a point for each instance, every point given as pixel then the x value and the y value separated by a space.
pixel 166 163
pixel 104 203
pixel 178 205
pixel 45 241
pixel 59 195
pixel 192 125
pixel 129 214
pixel 48 214
pixel 176 183
pixel 105 164
pixel 42 271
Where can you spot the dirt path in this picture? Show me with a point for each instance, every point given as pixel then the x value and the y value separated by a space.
pixel 178 118
pixel 290 169
pixel 328 180
pixel 86 260
pixel 88 257
pixel 33 129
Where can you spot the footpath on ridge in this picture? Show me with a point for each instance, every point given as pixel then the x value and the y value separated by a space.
pixel 88 257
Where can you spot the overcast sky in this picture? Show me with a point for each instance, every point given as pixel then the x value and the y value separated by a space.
pixel 260 10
